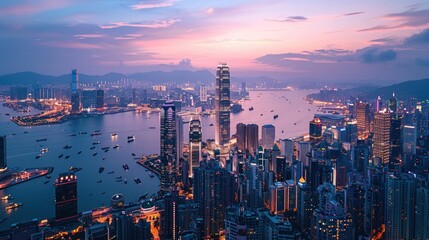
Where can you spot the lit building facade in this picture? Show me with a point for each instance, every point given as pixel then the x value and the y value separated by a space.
pixel 195 137
pixel 168 151
pixel 75 96
pixel 381 146
pixel 363 121
pixel 66 197
pixel 222 105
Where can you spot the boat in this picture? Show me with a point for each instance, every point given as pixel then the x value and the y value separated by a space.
pixel 99 181
pixel 67 157
pixel 101 169
pixel 41 140
pixel 67 147
pixel 13 205
pixel 151 174
pixel 104 158
pixel 94 154
pixel 43 150
pixel 96 133
pixel 119 180
pixel 72 135
pixel 116 147
pixel 114 134
pixel 131 137
pixel 83 133
pixel 103 193
pixel 294 123
pixel 7 197
pixel 276 116
pixel 38 156
pixel 111 172
pixel 118 177
pixel 25 131
pixel 92 148
pixel 137 180
pixel 79 152
pixel 7 114
pixel 75 169
pixel 125 181
pixel 125 167
pixel 131 140
pixel 251 108
pixel 61 155
pixel 46 182
pixel 211 124
pixel 133 154
pixel 96 143
pixel 48 176
pixel 105 148
pixel 152 127
pixel 262 114
pixel 272 110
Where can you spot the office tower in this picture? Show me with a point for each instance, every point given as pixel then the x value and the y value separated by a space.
pixel 381 146
pixel 362 117
pixel 287 147
pixel 168 151
pixel 243 92
pixel 351 132
pixel 330 218
pixel 422 213
pixel 279 165
pixel 283 197
pixel 203 93
pixel 3 153
pixel 304 206
pixel 18 93
pixel 99 231
pixel 169 228
pixel 124 226
pixel 268 136
pixel 213 192
pixel 374 203
pixel 378 104
pixel 222 105
pixel 360 157
pixel 315 129
pixel 252 138
pixel 195 137
pixel 395 142
pixel 179 138
pixel 241 136
pixel 392 103
pixel 75 98
pixel 355 204
pixel 100 99
pixel 399 208
pixel 66 197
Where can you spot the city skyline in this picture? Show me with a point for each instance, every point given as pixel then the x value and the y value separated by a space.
pixel 278 39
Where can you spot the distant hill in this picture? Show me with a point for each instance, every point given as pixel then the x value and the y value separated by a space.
pixel 179 76
pixel 416 88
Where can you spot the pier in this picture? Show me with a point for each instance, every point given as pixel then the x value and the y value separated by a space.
pixel 13 177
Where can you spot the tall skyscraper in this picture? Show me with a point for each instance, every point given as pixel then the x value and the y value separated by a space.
pixel 395 141
pixel 422 213
pixel 315 129
pixel 241 136
pixel 378 104
pixel 168 151
pixel 3 153
pixel 203 93
pixel 66 197
pixel 195 137
pixel 381 147
pixel 222 105
pixel 213 192
pixel 75 98
pixel 252 138
pixel 268 136
pixel 400 206
pixel 362 117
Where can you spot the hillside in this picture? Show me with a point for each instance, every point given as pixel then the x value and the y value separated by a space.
pixel 416 88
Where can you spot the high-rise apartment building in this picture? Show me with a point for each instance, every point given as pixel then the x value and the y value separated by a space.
pixel 268 136
pixel 195 137
pixel 381 146
pixel 222 105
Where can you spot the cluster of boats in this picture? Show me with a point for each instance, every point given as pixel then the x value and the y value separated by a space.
pixel 9 206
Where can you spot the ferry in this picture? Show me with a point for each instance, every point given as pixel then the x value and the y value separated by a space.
pixel 114 134
pixel 7 197
pixel 13 206
pixel 42 140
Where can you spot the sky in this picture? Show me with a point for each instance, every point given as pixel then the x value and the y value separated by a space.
pixel 283 39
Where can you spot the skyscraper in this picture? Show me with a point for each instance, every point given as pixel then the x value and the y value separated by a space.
pixel 222 104
pixel 66 197
pixel 422 213
pixel 268 136
pixel 3 153
pixel 168 151
pixel 409 139
pixel 395 141
pixel 195 136
pixel 362 117
pixel 381 147
pixel 203 93
pixel 252 138
pixel 241 136
pixel 75 98
pixel 315 129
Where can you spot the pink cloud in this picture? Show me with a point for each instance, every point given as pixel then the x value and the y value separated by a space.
pixel 159 24
pixel 153 4
pixel 33 8
pixel 93 35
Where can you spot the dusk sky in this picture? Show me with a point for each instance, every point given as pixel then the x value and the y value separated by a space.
pixel 323 39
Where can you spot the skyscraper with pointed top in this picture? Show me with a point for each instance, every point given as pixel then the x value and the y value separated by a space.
pixel 75 98
pixel 222 105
